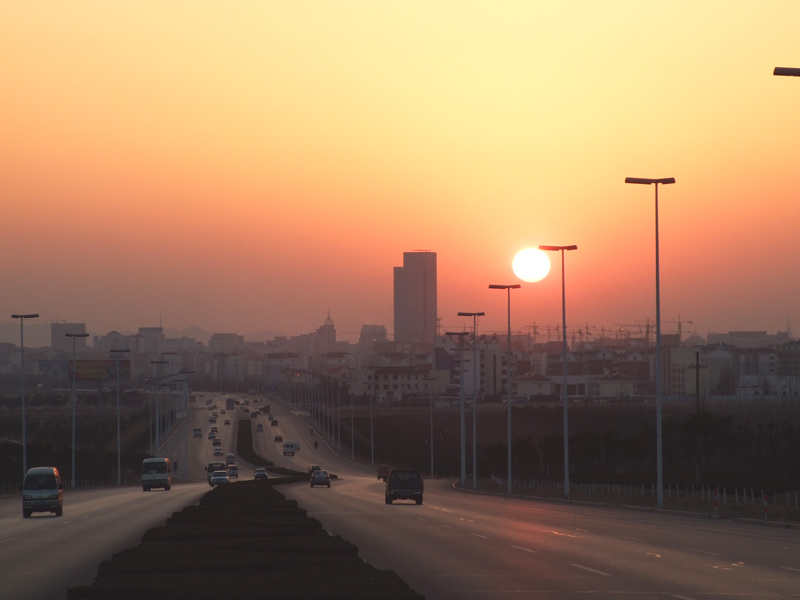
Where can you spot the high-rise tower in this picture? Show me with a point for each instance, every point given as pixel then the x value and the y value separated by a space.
pixel 415 298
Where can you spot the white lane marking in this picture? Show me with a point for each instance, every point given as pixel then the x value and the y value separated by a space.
pixel 787 568
pixel 523 549
pixel 590 570
pixel 421 519
pixel 447 526
pixel 683 597
pixel 7 540
pixel 701 551
pixel 625 537
pixel 480 536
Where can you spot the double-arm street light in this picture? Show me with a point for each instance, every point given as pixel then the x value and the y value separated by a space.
pixel 515 286
pixel 461 335
pixel 74 336
pixel 475 366
pixel 159 362
pixel 117 358
pixel 22 368
pixel 659 456
pixel 564 394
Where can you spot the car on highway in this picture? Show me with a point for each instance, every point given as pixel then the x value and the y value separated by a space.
pixel 216 442
pixel 320 477
pixel 42 491
pixel 259 428
pixel 313 468
pixel 197 432
pixel 223 412
pixel 230 458
pixel 216 465
pixel 227 421
pixel 260 474
pixel 218 478
pixel 218 452
pixel 404 484
pixel 279 438
pixel 233 471
pixel 274 423
pixel 212 435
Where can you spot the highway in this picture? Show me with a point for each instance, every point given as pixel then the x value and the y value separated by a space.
pixel 455 545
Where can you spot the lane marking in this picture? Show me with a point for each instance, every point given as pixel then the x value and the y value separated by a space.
pixel 787 568
pixel 447 526
pixel 625 537
pixel 480 536
pixel 683 597
pixel 523 549
pixel 590 570
pixel 10 539
pixel 700 551
pixel 421 519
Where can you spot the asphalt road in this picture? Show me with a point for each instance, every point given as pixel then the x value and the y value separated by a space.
pixel 460 545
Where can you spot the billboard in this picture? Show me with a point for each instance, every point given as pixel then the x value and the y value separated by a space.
pixel 88 370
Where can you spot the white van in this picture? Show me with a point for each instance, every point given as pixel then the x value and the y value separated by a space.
pixel 42 491
pixel 156 472
pixel 289 448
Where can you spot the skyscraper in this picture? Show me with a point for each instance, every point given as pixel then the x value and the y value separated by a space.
pixel 415 298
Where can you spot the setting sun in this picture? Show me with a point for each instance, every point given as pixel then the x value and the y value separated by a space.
pixel 531 265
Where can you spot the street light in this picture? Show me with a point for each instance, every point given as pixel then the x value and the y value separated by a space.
pixel 474 316
pixel 516 286
pixel 431 379
pixel 186 418
pixel 787 71
pixel 564 361
pixel 461 335
pixel 22 367
pixel 74 400
pixel 119 444
pixel 158 403
pixel 659 457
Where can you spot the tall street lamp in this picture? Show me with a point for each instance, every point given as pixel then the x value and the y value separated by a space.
pixel 564 361
pixel 659 456
pixel 22 367
pixel 117 358
pixel 787 71
pixel 74 336
pixel 475 365
pixel 159 362
pixel 431 379
pixel 461 335
pixel 186 419
pixel 516 286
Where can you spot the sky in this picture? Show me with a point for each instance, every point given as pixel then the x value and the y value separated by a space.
pixel 255 165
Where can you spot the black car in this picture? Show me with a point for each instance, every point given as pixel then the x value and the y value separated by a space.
pixel 404 485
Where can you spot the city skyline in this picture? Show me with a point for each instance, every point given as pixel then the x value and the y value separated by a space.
pixel 251 168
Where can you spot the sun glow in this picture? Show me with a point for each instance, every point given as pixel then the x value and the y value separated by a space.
pixel 531 265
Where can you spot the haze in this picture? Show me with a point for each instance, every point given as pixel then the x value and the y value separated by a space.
pixel 253 165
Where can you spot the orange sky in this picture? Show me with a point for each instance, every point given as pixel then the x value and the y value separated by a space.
pixel 252 165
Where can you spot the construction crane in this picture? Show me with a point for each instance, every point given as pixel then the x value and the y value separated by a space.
pixel 680 326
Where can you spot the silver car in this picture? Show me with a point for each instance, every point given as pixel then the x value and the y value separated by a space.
pixel 320 477
pixel 219 477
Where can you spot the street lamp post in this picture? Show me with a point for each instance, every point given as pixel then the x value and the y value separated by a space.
pixel 431 379
pixel 461 335
pixel 22 368
pixel 158 403
pixel 515 286
pixel 117 358
pixel 186 419
pixel 787 71
pixel 475 365
pixel 565 395
pixel 74 400
pixel 659 455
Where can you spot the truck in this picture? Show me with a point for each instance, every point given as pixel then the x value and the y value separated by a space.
pixel 230 403
pixel 289 448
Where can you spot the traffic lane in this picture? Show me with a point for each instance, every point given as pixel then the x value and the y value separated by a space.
pixel 44 555
pixel 507 546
